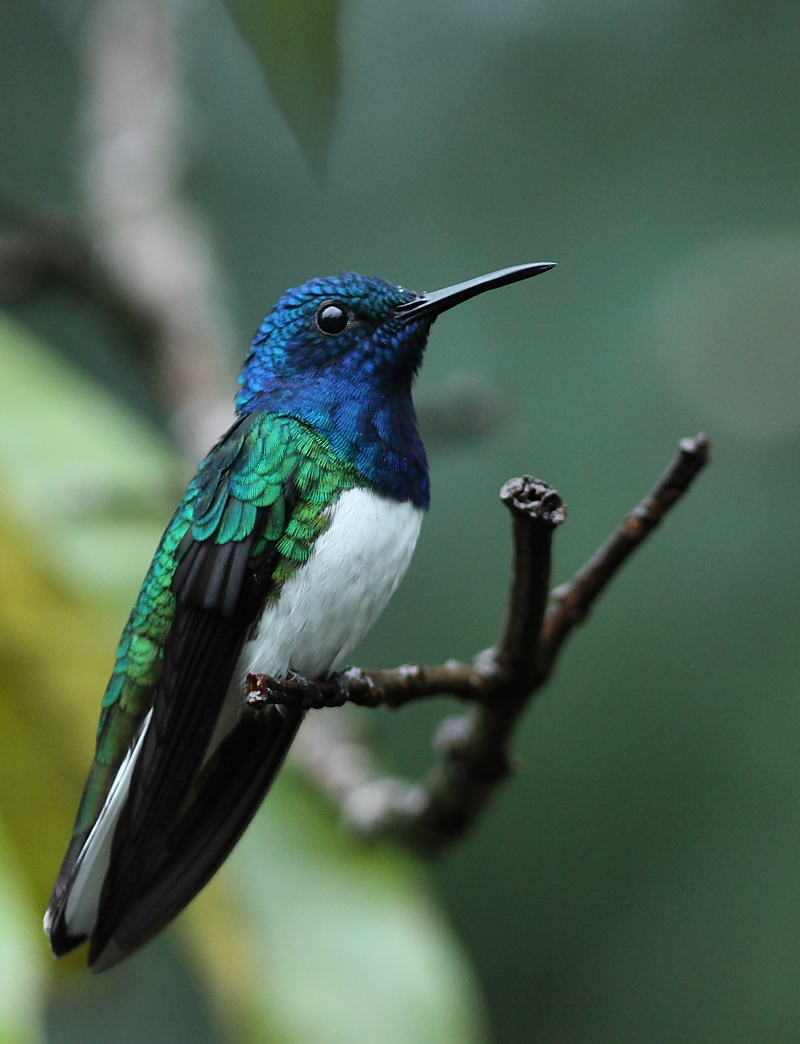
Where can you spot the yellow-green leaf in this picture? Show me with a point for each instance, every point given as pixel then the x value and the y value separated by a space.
pixel 21 973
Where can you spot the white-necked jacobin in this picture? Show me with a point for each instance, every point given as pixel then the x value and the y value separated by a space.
pixel 289 542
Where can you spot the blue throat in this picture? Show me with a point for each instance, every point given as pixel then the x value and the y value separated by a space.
pixel 353 387
pixel 376 435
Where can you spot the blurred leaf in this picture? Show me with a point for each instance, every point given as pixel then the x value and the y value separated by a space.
pixel 54 657
pixel 338 943
pixel 296 43
pixel 53 662
pixel 92 480
pixel 69 454
pixel 21 977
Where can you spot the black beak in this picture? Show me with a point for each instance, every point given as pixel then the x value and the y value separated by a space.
pixel 440 300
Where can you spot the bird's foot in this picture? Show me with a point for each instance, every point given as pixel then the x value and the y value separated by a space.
pixel 296 691
pixel 310 695
pixel 337 692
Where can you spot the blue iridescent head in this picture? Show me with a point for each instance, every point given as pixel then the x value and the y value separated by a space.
pixel 347 326
pixel 341 353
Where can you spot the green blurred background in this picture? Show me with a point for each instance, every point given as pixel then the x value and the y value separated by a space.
pixel 639 879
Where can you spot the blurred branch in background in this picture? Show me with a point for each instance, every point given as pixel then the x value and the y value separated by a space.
pixel 462 408
pixel 44 256
pixel 472 750
pixel 141 227
pixel 37 253
pixel 143 256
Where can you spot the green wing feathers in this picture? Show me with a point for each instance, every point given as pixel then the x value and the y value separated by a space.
pixel 270 479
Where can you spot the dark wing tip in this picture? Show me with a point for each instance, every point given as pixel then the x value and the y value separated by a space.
pixel 109 957
pixel 224 798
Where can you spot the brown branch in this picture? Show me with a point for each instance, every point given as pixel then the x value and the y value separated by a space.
pixel 536 510
pixel 572 601
pixel 473 748
pixel 39 254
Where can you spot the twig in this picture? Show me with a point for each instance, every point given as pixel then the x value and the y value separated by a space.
pixel 473 748
pixel 536 510
pixel 571 602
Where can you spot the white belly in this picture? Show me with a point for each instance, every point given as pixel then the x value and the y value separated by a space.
pixel 330 603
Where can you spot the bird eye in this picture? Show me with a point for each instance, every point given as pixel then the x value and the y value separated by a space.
pixel 332 318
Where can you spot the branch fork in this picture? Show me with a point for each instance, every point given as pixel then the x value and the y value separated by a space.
pixel 472 749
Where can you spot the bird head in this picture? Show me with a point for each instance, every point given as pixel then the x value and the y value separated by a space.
pixel 351 329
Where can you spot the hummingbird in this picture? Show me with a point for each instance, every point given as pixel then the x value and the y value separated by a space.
pixel 291 538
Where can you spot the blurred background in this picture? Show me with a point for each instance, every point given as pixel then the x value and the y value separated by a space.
pixel 168 168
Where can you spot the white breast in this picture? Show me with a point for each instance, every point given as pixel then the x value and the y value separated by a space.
pixel 330 603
